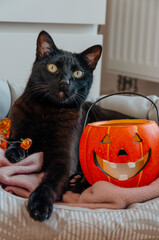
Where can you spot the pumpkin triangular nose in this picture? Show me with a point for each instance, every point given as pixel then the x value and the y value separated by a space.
pixel 122 152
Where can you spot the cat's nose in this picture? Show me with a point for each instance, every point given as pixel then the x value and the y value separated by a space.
pixel 64 82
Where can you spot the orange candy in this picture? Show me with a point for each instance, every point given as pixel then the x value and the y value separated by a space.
pixel 5 125
pixel 3 144
pixel 26 143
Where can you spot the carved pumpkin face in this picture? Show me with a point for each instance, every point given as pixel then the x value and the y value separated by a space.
pixel 123 152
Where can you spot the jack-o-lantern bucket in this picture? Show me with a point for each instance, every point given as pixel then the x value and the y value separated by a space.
pixel 123 152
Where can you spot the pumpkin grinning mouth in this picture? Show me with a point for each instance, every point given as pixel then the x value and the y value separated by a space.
pixel 121 171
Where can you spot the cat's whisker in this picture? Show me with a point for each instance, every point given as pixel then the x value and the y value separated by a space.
pixel 37 93
pixel 81 94
pixel 76 101
pixel 80 98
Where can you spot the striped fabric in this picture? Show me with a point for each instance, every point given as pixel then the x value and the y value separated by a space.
pixel 138 222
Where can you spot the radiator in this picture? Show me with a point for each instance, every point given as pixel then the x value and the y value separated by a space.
pixel 133 38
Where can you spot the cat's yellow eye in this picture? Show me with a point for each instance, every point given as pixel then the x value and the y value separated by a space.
pixel 78 74
pixel 52 68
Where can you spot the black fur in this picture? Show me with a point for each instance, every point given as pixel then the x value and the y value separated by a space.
pixel 51 112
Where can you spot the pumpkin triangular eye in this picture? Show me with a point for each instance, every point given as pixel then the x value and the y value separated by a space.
pixel 106 139
pixel 137 138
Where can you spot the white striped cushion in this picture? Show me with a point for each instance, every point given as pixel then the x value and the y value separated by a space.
pixel 139 221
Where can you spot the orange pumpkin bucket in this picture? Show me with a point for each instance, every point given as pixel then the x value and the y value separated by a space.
pixel 123 152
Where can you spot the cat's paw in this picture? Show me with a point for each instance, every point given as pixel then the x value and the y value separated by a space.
pixel 78 183
pixel 39 206
pixel 15 154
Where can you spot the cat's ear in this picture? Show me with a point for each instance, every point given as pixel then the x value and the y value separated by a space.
pixel 45 45
pixel 92 55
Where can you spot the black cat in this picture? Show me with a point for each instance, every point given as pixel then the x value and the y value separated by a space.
pixel 51 112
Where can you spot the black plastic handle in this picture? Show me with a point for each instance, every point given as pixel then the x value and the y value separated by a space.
pixel 120 93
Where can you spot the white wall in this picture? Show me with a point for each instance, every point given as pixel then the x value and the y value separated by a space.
pixel 109 80
pixel 72 24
